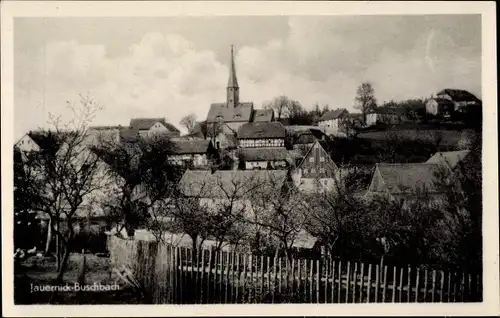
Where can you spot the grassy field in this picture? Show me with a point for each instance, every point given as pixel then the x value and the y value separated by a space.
pixel 40 271
pixel 449 137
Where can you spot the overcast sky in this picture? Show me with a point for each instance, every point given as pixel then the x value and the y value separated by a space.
pixel 169 67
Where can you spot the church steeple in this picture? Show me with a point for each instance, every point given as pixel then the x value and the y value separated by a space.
pixel 233 90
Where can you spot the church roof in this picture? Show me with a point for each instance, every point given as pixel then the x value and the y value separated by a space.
pixel 261 130
pixel 232 81
pixel 219 112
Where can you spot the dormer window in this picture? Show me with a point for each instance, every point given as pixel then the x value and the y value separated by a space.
pixel 218 117
pixel 237 116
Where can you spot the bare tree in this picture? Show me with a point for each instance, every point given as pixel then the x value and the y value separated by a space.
pixel 189 121
pixel 69 183
pixel 144 176
pixel 281 211
pixel 280 106
pixel 365 99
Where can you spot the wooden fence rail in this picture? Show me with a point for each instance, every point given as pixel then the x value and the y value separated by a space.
pixel 174 275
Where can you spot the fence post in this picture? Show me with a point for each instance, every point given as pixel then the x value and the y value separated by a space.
pixel 449 287
pixel 377 281
pixel 181 274
pixel 261 278
pixel 318 281
pixel 202 274
pixel 433 284
pixel 327 272
pixel 348 278
pixel 311 282
pixel 394 281
pixel 416 285
pixel 333 281
pixel 385 284
pixel 238 275
pixel 274 279
pixel 462 287
pixel 340 282
pixel 442 287
pixel 268 274
pixel 227 282
pixel 401 285
pixel 209 274
pixel 299 274
pixel 361 282
pixel 354 281
pixel 425 285
pixel 369 283
pixel 243 292
pixel 409 285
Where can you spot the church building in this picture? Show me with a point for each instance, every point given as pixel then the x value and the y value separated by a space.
pixel 232 114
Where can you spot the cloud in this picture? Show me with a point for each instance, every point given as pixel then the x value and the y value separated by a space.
pixel 320 59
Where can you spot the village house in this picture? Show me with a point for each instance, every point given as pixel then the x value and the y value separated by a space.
pixel 384 115
pixel 317 172
pixel 266 158
pixel 440 107
pixel 232 114
pixel 460 98
pixel 330 122
pixel 405 181
pixel 27 143
pixel 267 134
pixel 151 127
pixel 99 135
pixel 192 153
pixel 449 159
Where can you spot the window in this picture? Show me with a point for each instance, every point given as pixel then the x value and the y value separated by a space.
pixel 322 159
pixel 322 170
pixel 313 170
pixel 311 159
pixel 305 170
pixel 325 182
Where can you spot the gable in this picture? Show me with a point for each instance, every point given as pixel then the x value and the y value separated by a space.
pixel 26 143
pixel 317 163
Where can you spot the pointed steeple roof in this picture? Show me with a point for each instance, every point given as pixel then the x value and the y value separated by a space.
pixel 233 81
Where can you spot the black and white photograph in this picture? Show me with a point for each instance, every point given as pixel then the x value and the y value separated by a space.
pixel 250 159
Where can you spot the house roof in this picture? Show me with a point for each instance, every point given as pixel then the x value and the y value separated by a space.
pixel 146 123
pixel 219 112
pixel 459 95
pixel 449 158
pixel 105 127
pixel 402 178
pixel 263 115
pixel 266 154
pixel 261 130
pixel 128 135
pixel 190 146
pixel 221 183
pixel 333 114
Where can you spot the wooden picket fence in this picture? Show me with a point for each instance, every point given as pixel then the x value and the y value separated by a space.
pixel 172 275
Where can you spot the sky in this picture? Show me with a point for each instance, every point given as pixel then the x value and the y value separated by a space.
pixel 172 66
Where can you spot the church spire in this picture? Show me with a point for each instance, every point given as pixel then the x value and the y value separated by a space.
pixel 232 85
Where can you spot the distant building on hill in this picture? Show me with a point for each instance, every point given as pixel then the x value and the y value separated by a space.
pixel 451 100
pixel 150 127
pixel 383 115
pixel 331 121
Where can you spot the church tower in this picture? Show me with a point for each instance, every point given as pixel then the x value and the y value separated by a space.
pixel 233 90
